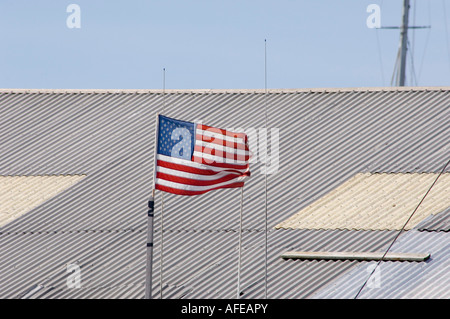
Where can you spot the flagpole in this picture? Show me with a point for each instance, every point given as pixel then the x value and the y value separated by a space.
pixel 162 202
pixel 150 215
pixel 238 293
pixel 148 277
pixel 265 171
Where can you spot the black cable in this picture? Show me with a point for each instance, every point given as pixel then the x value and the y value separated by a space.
pixel 401 230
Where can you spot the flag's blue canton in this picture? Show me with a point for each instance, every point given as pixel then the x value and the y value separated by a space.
pixel 176 138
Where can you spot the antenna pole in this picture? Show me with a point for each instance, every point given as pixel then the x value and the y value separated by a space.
pixel 404 43
pixel 161 255
pixel 238 293
pixel 265 171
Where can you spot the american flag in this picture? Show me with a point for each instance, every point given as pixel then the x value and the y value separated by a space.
pixel 193 159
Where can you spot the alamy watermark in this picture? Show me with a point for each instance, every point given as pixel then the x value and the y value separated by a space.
pixel 74 278
pixel 374 282
pixel 374 19
pixel 260 149
pixel 73 21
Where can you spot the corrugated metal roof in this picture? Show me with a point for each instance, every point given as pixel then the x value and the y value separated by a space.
pixel 214 263
pixel 19 194
pixel 326 137
pixel 211 258
pixel 401 280
pixel 108 260
pixel 437 222
pixel 375 201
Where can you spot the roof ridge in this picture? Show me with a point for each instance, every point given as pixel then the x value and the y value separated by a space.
pixel 222 91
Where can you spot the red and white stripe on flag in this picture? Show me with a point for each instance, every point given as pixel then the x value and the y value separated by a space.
pixel 193 159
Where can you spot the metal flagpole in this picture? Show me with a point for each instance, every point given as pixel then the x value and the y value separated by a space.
pixel 150 215
pixel 238 293
pixel 162 202
pixel 265 171
pixel 148 278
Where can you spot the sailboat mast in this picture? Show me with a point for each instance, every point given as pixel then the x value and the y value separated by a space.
pixel 403 43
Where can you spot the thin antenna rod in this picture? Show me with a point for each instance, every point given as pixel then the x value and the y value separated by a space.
pixel 238 294
pixel 162 201
pixel 265 170
pixel 164 90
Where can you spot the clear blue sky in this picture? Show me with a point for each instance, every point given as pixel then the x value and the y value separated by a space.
pixel 216 44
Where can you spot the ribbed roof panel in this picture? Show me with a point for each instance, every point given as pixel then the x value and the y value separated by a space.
pixel 436 222
pixel 376 201
pixel 400 280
